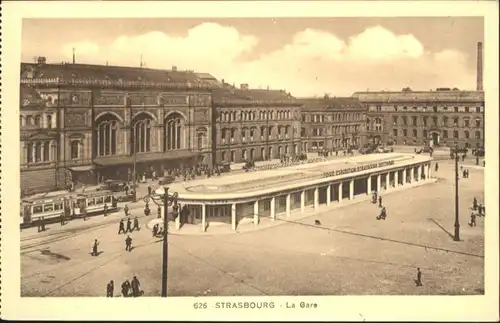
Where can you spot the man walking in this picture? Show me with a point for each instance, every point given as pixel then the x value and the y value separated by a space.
pixel 129 225
pixel 125 209
pixel 105 209
pixel 418 281
pixel 135 287
pixel 136 224
pixel 94 247
pixel 128 244
pixel 125 288
pixel 122 227
pixel 110 289
pixel 436 167
pixel 472 219
pixel 380 201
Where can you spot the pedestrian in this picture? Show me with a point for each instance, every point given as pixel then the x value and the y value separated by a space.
pixel 62 218
pixel 155 230
pixel 125 209
pixel 474 203
pixel 128 244
pixel 472 219
pixel 136 224
pixel 95 243
pixel 149 189
pixel 467 172
pixel 147 211
pixel 464 174
pixel 122 227
pixel 480 210
pixel 437 167
pixel 136 292
pixel 105 209
pixel 418 281
pixel 85 214
pixel 125 288
pixel 129 225
pixel 110 289
pixel 380 201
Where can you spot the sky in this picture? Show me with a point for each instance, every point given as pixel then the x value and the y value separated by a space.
pixel 304 56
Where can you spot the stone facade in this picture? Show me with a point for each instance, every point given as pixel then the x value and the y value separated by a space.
pixel 436 118
pixel 331 123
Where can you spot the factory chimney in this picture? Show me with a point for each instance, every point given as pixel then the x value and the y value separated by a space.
pixel 479 82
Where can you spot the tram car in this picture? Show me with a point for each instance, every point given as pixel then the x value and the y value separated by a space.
pixel 93 203
pixel 44 208
pixel 50 209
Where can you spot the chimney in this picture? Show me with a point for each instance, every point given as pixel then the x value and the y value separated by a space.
pixel 479 85
pixel 74 57
pixel 244 86
pixel 41 60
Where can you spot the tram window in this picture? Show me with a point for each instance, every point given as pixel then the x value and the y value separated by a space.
pixel 81 202
pixel 58 206
pixel 37 209
pixel 107 199
pixel 99 200
pixel 48 207
pixel 90 202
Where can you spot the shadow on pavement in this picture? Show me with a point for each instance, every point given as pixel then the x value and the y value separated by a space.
pixel 441 227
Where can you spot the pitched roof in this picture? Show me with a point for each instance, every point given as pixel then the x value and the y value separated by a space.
pixel 335 103
pixel 250 95
pixel 111 73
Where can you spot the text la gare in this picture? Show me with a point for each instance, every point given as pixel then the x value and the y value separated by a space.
pixel 301 305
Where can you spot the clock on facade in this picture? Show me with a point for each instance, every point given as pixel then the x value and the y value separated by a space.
pixel 74 98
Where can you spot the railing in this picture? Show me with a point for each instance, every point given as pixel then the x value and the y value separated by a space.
pixel 115 84
pixel 256 102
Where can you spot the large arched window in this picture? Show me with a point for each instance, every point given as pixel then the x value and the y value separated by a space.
pixel 106 135
pixel 142 133
pixel 173 131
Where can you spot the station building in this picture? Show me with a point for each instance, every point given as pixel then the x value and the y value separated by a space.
pixel 92 122
pixel 282 191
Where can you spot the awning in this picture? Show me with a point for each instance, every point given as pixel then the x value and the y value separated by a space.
pixel 81 168
pixel 141 158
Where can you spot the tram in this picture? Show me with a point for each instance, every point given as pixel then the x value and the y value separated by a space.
pixel 44 208
pixel 93 203
pixel 70 204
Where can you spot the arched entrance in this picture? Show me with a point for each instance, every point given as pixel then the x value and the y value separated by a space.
pixel 434 139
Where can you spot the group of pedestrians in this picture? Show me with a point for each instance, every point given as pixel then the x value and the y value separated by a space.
pixel 477 210
pixel 130 288
pixel 128 229
pixel 383 211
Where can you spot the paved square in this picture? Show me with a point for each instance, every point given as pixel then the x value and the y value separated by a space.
pixel 357 256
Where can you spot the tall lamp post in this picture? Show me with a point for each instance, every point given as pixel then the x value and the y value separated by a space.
pixel 456 237
pixel 164 200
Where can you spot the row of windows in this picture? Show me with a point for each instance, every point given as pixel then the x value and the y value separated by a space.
pixel 38 152
pixel 229 116
pixel 318 132
pixel 320 118
pixel 282 131
pixel 38 121
pixel 337 143
pixel 425 134
pixel 250 154
pixel 435 121
pixel 435 108
pixel 173 132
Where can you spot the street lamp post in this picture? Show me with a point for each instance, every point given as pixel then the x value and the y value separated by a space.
pixel 164 200
pixel 456 237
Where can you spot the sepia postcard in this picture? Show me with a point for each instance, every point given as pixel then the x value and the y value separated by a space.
pixel 241 160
